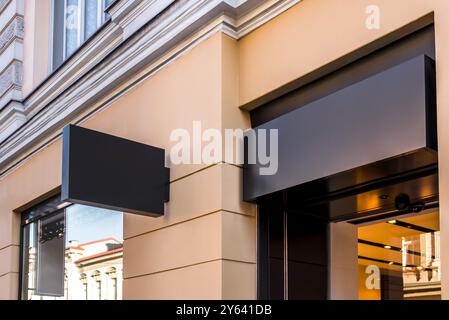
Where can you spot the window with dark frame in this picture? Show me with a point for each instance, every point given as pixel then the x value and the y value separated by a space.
pixel 68 252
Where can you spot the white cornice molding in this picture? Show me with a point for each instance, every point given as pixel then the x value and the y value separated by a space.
pixel 11 119
pixel 133 14
pixel 104 69
pixel 255 18
pixel 86 59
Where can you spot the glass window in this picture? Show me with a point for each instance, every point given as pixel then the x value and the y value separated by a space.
pixel 399 258
pixel 72 26
pixel 74 21
pixel 71 252
pixel 113 281
pixel 92 17
pixel 107 3
pixel 83 280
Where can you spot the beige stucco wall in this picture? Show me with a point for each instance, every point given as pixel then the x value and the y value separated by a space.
pixel 204 247
pixel 31 180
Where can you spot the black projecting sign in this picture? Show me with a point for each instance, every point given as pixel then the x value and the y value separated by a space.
pixel 109 172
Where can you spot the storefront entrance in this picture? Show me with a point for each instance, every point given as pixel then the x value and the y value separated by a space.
pixel 357 151
pixel 382 243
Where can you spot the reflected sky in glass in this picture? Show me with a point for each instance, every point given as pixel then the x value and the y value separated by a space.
pixel 85 224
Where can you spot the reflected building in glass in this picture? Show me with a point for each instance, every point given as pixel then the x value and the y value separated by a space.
pixel 58 266
pixel 399 259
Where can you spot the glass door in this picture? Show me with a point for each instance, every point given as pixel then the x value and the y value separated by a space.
pixel 399 258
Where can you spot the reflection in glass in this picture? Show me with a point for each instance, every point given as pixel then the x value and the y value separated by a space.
pixel 86 262
pixel 50 253
pixel 90 17
pixel 108 3
pixel 399 259
pixel 72 26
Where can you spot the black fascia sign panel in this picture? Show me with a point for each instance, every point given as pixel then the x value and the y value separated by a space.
pixel 109 172
pixel 382 125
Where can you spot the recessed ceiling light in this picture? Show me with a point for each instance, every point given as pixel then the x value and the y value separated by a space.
pixel 392 221
pixel 387 247
pixel 390 263
pixel 63 205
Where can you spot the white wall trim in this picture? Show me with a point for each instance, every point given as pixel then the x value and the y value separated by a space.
pixel 11 119
pixel 137 16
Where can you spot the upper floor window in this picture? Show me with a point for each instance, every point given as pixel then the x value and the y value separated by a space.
pixel 74 21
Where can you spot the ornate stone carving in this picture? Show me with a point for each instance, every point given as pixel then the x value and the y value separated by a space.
pixel 11 77
pixel 4 4
pixel 12 31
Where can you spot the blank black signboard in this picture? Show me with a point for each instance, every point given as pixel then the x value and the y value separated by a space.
pixel 109 172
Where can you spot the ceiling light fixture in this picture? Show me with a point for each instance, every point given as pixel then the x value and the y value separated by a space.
pixel 392 221
pixel 387 247
pixel 63 205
